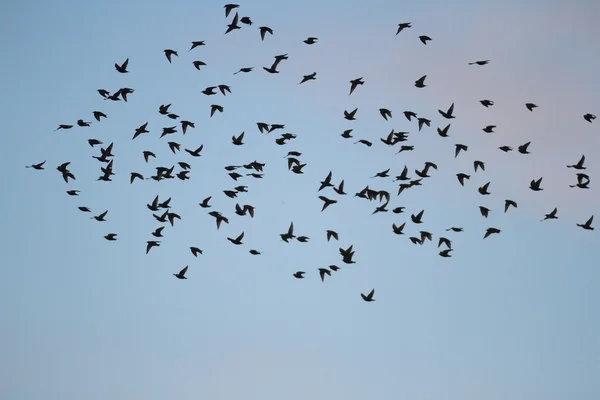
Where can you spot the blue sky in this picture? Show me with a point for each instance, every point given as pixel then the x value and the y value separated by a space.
pixel 513 316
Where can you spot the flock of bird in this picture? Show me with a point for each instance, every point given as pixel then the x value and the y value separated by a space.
pixel 161 209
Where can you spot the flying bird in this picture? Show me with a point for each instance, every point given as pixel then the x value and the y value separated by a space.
pixel 181 274
pixel 169 53
pixel 264 30
pixel 369 297
pixel 122 68
pixel 402 26
pixel 424 39
pixel 420 83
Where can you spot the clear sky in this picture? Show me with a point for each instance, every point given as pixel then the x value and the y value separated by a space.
pixel 513 316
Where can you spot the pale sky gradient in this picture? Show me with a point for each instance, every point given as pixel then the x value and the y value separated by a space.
pixel 510 317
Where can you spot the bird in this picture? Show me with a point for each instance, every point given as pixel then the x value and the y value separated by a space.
pixel 101 216
pixel 332 234
pixel 135 175
pixel 483 62
pixel 484 189
pixel 508 203
pixel 237 240
pixel 111 236
pixel 417 218
pixel 588 225
pixel 264 30
pixel 181 274
pixel 486 103
pixel 323 272
pixel 195 153
pixel 535 184
pixel 402 26
pixel 309 77
pixel 39 166
pixel 350 115
pixel 150 244
pixel 311 40
pixel 530 106
pixel 228 8
pixel 326 202
pixel 369 297
pixel 245 70
pixel 398 229
pixel 385 113
pixel 448 114
pixel 523 148
pixel 123 67
pixel 551 215
pixel 238 140
pixel 197 64
pixel 299 275
pixel 98 115
pixel 490 231
pixel 589 117
pixel 424 39
pixel 579 164
pixel 420 83
pixel 169 53
pixel 354 84
pixel 196 44
pixel 459 148
pixel 233 25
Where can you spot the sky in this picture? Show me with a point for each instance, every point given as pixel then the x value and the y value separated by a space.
pixel 512 316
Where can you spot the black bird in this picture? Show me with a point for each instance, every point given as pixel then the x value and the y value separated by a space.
pixel 181 274
pixel 484 62
pixel 486 103
pixel 448 114
pixel 589 117
pixel 579 164
pixel 424 39
pixel 196 44
pixel 588 225
pixel 508 203
pixel 228 8
pixel 323 272
pixel 197 64
pixel 523 148
pixel 530 106
pixel 552 215
pixel 354 83
pixel 98 115
pixel 420 83
pixel 246 69
pixel 111 237
pixel 299 274
pixel 122 68
pixel 332 234
pixel 264 30
pixel 535 185
pixel 417 218
pixel 402 26
pixel 311 40
pixel 369 297
pixel 204 203
pixel 39 166
pixel 169 53
pixel 310 77
pixel 326 202
pixel 350 115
